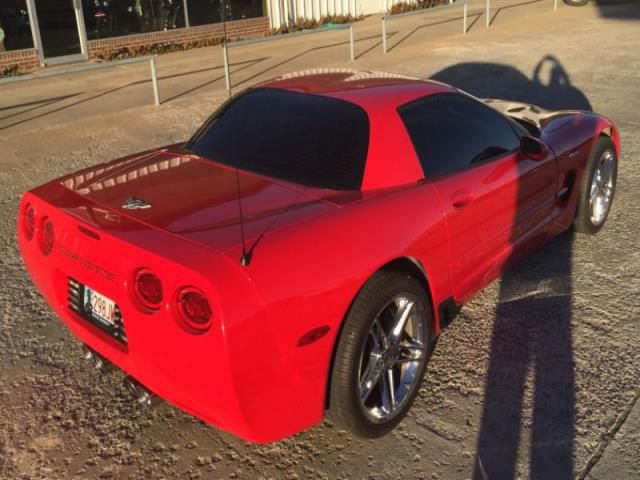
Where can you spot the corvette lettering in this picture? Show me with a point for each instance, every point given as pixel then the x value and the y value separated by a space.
pixel 88 264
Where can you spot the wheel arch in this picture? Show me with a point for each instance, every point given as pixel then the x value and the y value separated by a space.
pixel 409 265
pixel 612 132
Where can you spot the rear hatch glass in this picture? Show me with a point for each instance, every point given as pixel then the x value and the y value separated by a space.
pixel 310 140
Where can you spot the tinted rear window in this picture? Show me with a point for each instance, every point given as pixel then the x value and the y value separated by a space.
pixel 301 138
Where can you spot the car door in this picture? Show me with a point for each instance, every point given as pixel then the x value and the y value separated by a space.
pixel 494 199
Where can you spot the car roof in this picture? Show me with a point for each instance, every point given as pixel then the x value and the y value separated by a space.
pixel 362 87
pixel 379 94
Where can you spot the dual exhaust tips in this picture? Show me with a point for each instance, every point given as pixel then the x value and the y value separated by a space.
pixel 143 396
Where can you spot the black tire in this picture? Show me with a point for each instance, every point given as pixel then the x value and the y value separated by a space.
pixel 345 407
pixel 583 222
pixel 576 3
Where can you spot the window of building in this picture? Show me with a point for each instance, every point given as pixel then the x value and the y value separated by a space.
pixel 15 30
pixel 113 18
pixel 202 12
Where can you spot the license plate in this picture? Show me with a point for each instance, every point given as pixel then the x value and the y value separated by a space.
pixel 99 307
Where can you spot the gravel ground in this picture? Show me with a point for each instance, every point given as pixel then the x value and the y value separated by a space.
pixel 548 356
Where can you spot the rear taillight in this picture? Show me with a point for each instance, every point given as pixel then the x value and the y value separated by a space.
pixel 47 236
pixel 29 221
pixel 194 309
pixel 147 288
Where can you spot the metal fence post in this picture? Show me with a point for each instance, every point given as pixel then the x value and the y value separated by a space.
pixel 488 13
pixel 555 5
pixel 384 34
pixel 464 19
pixel 154 81
pixel 187 24
pixel 352 54
pixel 225 59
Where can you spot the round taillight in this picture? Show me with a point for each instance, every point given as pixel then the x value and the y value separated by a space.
pixel 194 308
pixel 29 221
pixel 148 289
pixel 47 236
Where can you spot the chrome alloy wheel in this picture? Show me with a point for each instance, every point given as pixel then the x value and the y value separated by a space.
pixel 391 357
pixel 602 184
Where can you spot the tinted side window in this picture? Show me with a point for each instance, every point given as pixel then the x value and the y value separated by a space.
pixel 306 139
pixel 451 132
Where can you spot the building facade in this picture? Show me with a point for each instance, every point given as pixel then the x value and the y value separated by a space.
pixel 37 33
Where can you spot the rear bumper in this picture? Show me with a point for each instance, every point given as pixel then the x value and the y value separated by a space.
pixel 190 370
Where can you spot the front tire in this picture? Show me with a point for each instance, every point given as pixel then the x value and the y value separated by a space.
pixel 597 187
pixel 576 3
pixel 381 355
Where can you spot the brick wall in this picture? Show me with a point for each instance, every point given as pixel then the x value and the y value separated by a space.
pixel 24 61
pixel 251 27
pixel 19 61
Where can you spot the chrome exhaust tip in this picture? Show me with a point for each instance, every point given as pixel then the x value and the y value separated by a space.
pixel 96 360
pixel 143 396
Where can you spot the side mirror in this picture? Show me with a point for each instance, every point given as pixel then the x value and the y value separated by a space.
pixel 533 148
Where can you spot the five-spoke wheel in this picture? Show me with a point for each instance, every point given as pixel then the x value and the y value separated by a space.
pixel 381 355
pixel 391 356
pixel 602 182
pixel 597 188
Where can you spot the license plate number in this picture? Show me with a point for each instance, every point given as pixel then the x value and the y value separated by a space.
pixel 99 307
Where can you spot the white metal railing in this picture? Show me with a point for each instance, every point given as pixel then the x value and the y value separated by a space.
pixel 91 67
pixel 423 11
pixel 226 45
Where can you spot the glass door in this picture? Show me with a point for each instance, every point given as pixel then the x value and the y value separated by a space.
pixel 61 30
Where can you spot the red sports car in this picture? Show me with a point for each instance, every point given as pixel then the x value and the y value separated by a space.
pixel 302 252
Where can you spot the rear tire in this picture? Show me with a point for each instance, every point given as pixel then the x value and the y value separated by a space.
pixel 363 366
pixel 597 187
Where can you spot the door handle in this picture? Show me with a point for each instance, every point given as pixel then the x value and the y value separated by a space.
pixel 461 198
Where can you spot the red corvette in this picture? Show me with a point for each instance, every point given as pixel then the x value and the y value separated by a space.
pixel 303 250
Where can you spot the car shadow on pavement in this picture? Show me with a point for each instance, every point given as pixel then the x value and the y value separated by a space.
pixel 531 335
pixel 494 80
pixel 619 9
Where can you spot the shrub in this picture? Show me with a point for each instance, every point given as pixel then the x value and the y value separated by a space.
pixel 155 49
pixel 9 71
pixel 403 7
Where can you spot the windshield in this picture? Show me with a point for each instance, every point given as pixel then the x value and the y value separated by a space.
pixel 307 139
